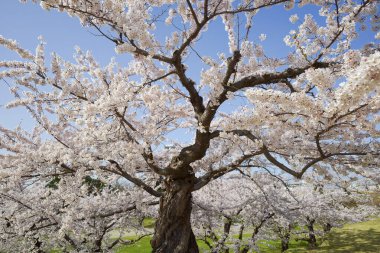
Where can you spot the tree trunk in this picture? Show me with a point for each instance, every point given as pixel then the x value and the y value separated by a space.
pixel 285 238
pixel 312 239
pixel 327 227
pixel 220 246
pixel 37 246
pixel 97 245
pixel 173 233
pixel 285 243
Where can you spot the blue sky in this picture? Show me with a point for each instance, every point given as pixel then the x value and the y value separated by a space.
pixel 25 22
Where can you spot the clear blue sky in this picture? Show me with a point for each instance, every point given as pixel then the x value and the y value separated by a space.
pixel 25 22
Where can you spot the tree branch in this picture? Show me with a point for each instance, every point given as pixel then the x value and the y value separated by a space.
pixel 212 175
pixel 132 179
pixel 193 12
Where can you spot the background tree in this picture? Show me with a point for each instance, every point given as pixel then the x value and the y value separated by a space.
pixel 39 217
pixel 246 209
pixel 151 121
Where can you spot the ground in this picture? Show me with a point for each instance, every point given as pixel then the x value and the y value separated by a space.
pixel 361 237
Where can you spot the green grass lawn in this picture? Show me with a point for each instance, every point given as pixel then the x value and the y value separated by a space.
pixel 361 237
pixel 143 246
pixel 149 223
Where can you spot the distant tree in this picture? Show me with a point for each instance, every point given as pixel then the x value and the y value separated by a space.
pixel 151 123
pixel 245 209
pixel 323 207
pixel 264 207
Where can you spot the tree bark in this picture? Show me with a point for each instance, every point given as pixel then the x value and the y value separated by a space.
pixel 220 246
pixel 285 243
pixel 312 239
pixel 38 245
pixel 327 227
pixel 285 238
pixel 173 233
pixel 255 232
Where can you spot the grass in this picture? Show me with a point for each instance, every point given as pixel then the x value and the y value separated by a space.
pixel 139 247
pixel 149 222
pixel 361 237
pixel 143 246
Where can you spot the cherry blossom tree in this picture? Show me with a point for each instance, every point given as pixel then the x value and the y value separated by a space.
pixel 322 207
pixel 245 209
pixel 152 124
pixel 268 208
pixel 38 217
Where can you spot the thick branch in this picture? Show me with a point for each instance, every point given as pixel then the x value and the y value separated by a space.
pixel 245 133
pixel 309 164
pixel 212 175
pixel 123 210
pixel 251 81
pixel 195 99
pixel 134 180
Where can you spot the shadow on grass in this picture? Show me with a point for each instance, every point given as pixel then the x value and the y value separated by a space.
pixel 340 241
pixel 361 237
pixel 352 241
